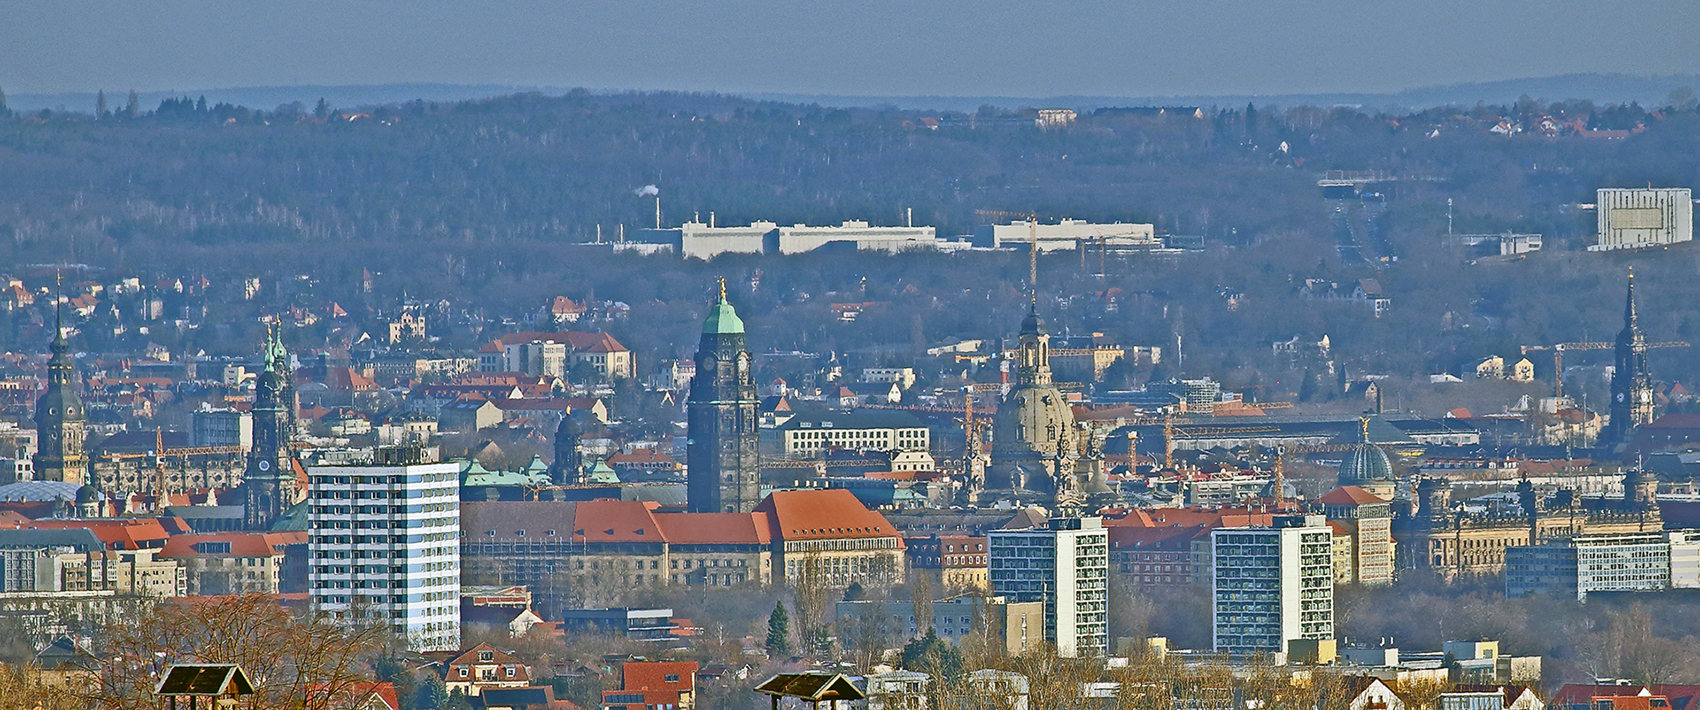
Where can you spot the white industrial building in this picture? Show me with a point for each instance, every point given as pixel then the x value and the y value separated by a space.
pixel 1638 218
pixel 1067 234
pixel 1272 586
pixel 697 240
pixel 384 543
pixel 1066 566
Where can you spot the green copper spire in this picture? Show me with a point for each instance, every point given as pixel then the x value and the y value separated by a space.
pixel 722 318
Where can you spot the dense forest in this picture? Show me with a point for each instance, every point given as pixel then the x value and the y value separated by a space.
pixel 488 205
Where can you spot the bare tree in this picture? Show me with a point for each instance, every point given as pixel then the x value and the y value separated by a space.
pixel 310 664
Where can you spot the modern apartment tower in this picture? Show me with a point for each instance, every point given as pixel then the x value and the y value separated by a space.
pixel 1065 565
pixel 384 543
pixel 1272 585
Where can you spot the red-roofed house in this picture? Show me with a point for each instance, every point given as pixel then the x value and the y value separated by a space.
pixel 485 666
pixel 563 310
pixel 654 686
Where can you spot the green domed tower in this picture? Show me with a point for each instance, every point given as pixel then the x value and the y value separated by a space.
pixel 1366 466
pixel 723 449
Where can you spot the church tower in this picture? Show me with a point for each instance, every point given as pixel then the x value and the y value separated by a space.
pixel 723 450
pixel 569 463
pixel 1631 384
pixel 59 418
pixel 269 487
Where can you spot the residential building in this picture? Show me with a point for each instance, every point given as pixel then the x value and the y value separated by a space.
pixel 484 667
pixel 1272 585
pixel 1065 565
pixel 554 354
pixel 1638 218
pixel 241 563
pixel 1368 520
pixel 810 434
pixel 383 542
pixel 1019 626
pixel 634 624
pixel 949 561
pixel 650 685
pixel 898 690
pixel 1609 562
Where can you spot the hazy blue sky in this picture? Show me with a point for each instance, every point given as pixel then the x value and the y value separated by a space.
pixel 875 47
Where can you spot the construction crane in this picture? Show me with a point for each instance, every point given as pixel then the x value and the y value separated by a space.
pixel 1032 219
pixel 1559 349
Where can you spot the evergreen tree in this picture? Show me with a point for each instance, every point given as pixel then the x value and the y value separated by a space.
pixel 4 112
pixel 322 110
pixel 100 104
pixel 431 694
pixel 931 655
pixel 133 105
pixel 1250 123
pixel 201 105
pixel 778 632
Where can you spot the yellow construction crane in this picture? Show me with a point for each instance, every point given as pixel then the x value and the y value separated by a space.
pixel 1559 349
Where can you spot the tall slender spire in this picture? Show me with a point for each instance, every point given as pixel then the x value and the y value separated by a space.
pixel 1631 319
pixel 59 345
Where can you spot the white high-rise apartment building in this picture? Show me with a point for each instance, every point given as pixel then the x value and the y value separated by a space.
pixel 384 543
pixel 1065 565
pixel 1272 585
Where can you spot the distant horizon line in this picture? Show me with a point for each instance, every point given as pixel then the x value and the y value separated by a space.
pixel 1610 87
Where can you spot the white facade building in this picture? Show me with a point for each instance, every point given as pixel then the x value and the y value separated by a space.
pixel 1067 234
pixel 1272 585
pixel 1622 562
pixel 1066 566
pixel 384 542
pixel 697 240
pixel 221 427
pixel 1637 218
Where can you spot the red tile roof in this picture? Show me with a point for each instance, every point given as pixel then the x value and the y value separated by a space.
pixel 822 515
pixel 639 675
pixel 241 544
pixel 604 520
pixel 715 528
pixel 127 534
pixel 1349 495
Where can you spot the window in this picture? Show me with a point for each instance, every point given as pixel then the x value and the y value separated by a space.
pixel 672 677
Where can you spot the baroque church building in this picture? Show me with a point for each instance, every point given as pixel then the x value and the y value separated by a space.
pixel 1038 453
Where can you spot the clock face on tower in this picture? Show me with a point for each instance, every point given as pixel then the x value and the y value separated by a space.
pixel 1620 396
pixel 265 465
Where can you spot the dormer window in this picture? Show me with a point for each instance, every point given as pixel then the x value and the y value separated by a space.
pixel 486 656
